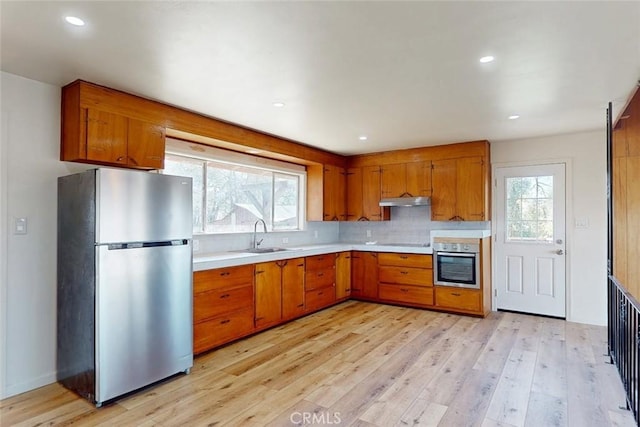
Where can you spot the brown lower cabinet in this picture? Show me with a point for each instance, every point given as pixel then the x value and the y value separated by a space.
pixel 406 279
pixel 459 299
pixel 231 303
pixel 223 306
pixel 320 281
pixel 364 275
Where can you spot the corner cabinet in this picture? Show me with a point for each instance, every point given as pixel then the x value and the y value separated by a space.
pixel 93 135
pixel 363 187
pixel 460 189
pixel 364 275
pixel 326 193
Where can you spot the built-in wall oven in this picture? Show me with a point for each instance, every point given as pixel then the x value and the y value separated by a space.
pixel 456 262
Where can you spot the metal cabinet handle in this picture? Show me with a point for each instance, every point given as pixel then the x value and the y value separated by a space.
pixel 455 294
pixel 225 296
pixel 225 321
pixel 404 272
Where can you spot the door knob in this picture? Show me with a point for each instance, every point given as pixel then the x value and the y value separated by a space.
pixel 560 252
pixel 559 241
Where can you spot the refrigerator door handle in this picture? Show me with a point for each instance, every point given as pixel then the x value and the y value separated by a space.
pixel 138 245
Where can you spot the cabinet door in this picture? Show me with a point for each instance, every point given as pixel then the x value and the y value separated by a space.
pixel 419 179
pixel 632 126
pixel 268 294
pixel 443 181
pixel 394 180
pixel 343 275
pixel 371 190
pixel 292 288
pixel 355 192
pixel 145 145
pixel 470 184
pixel 334 193
pixel 364 275
pixel 106 137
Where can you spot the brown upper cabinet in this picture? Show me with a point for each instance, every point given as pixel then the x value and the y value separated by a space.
pixel 406 179
pixel 363 188
pixel 460 188
pixel 335 186
pixel 94 135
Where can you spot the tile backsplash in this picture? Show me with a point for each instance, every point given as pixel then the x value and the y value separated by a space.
pixel 407 225
pixel 316 233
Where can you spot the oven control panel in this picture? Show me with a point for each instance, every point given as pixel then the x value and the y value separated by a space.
pixel 456 247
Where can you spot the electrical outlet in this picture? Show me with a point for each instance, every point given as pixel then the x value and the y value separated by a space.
pixel 20 226
pixel 368 233
pixel 196 245
pixel 285 240
pixel 315 234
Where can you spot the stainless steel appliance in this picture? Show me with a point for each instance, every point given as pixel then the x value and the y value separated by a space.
pixel 456 262
pixel 124 281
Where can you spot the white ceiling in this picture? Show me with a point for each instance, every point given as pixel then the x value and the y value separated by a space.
pixel 405 74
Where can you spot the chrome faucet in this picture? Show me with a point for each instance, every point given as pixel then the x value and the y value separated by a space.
pixel 256 243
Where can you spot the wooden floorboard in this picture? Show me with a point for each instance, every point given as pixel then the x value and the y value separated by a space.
pixel 368 365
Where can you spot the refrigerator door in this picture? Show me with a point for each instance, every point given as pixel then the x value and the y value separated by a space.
pixel 144 316
pixel 134 206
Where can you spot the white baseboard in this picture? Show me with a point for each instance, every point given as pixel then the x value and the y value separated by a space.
pixel 32 384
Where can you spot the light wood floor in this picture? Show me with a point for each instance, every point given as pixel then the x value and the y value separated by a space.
pixel 360 364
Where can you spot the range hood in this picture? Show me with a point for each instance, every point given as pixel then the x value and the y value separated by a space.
pixel 406 201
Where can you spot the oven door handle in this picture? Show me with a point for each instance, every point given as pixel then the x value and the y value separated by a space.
pixel 458 254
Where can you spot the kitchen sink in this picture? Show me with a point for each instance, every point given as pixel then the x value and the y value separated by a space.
pixel 261 250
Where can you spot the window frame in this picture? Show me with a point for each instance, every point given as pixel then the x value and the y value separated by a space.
pixel 206 154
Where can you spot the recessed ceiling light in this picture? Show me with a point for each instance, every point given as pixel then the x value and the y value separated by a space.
pixel 514 116
pixel 278 104
pixel 362 138
pixel 486 59
pixel 74 20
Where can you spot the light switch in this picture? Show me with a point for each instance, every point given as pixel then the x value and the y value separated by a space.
pixel 196 245
pixel 582 222
pixel 20 226
pixel 368 233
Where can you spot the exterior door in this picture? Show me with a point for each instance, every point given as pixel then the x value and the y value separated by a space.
pixel 530 239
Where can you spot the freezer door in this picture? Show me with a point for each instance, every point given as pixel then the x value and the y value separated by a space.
pixel 135 206
pixel 144 317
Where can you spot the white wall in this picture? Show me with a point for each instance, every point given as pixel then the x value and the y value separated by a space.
pixel 586 247
pixel 29 151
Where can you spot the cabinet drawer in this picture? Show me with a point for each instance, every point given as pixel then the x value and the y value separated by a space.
pixel 221 330
pixel 319 279
pixel 406 293
pixel 319 298
pixel 406 275
pixel 321 262
pixel 405 260
pixel 461 299
pixel 214 303
pixel 207 280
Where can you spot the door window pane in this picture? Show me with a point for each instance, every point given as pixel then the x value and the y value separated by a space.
pixel 529 208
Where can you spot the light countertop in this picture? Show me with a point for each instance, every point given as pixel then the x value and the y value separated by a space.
pixel 231 259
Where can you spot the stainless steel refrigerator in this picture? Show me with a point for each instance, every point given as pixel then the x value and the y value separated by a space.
pixel 124 281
